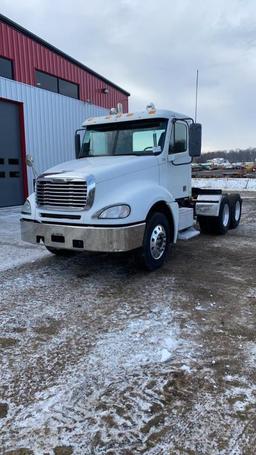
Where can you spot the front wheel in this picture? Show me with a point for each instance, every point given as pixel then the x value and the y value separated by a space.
pixel 156 241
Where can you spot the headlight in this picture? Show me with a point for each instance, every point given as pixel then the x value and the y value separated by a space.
pixel 26 209
pixel 116 211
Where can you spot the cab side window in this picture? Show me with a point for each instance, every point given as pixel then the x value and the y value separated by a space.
pixel 179 138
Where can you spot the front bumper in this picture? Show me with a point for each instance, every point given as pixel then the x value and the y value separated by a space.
pixel 87 238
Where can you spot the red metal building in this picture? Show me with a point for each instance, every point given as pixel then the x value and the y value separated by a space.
pixel 29 53
pixel 45 95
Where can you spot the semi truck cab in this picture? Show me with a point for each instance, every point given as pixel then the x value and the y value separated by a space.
pixel 129 188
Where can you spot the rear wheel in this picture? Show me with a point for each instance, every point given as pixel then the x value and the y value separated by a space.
pixel 222 222
pixel 217 225
pixel 156 241
pixel 236 210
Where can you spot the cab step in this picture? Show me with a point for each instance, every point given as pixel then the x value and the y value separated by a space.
pixel 188 233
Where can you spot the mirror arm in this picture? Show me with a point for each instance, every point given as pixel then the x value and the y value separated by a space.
pixel 30 163
pixel 34 171
pixel 184 119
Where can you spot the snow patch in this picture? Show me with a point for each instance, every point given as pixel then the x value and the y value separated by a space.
pixel 14 252
pixel 141 342
pixel 166 355
pixel 186 368
pixel 245 184
pixel 116 357
pixel 242 397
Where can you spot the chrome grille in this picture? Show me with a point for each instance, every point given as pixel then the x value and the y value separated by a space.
pixel 60 193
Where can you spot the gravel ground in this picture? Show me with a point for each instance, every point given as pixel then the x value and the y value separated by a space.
pixel 99 357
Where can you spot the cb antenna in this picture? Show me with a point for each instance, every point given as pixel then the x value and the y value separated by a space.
pixel 196 95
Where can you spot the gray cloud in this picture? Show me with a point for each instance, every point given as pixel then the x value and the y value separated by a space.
pixel 153 49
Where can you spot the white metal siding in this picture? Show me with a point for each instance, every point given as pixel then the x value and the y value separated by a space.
pixel 50 122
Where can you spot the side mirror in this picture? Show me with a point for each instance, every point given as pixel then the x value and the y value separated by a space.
pixel 29 160
pixel 195 139
pixel 30 163
pixel 77 145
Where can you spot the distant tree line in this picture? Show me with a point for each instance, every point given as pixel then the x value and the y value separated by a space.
pixel 233 156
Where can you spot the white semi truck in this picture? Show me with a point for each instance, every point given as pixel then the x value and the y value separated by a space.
pixel 129 188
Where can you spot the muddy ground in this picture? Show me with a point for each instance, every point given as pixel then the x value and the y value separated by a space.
pixel 99 357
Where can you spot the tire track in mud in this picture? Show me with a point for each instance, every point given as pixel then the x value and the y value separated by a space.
pixel 54 329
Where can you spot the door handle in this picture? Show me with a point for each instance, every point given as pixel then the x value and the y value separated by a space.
pixel 183 163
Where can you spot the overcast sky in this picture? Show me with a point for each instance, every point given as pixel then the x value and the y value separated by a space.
pixel 152 48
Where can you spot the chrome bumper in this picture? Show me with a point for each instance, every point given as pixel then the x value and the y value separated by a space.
pixel 88 238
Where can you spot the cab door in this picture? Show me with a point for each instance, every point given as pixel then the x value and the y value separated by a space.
pixel 178 160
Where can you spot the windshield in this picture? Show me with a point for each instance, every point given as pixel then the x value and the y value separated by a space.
pixel 141 137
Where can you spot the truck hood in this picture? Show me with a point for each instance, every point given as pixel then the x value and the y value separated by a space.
pixel 103 167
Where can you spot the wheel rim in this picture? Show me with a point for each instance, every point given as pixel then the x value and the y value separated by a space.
pixel 158 241
pixel 225 215
pixel 237 210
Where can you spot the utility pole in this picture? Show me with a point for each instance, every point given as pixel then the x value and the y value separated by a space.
pixel 196 95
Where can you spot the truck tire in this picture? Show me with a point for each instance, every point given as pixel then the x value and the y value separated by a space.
pixel 236 210
pixel 217 225
pixel 156 241
pixel 59 251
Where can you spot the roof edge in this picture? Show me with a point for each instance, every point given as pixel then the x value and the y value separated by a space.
pixel 49 46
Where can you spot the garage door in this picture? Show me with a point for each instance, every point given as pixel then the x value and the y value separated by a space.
pixel 11 181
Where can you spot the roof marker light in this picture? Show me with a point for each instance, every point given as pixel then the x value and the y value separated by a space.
pixel 151 108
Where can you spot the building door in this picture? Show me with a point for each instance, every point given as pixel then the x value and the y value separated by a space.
pixel 11 179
